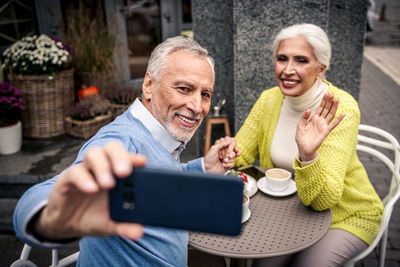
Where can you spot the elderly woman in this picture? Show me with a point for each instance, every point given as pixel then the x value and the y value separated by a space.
pixel 295 126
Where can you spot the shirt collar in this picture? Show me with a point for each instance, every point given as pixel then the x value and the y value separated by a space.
pixel 140 112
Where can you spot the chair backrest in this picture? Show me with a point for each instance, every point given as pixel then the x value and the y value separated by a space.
pixel 369 145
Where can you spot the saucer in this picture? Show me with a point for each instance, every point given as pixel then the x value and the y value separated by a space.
pixel 246 216
pixel 262 185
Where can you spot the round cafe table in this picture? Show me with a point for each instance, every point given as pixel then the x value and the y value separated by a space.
pixel 277 226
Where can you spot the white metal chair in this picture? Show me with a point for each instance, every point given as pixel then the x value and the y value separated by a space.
pixel 368 144
pixel 23 261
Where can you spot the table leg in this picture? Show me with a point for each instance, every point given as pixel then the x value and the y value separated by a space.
pixel 227 262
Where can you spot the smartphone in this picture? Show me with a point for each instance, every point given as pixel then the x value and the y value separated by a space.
pixel 188 200
pixel 254 171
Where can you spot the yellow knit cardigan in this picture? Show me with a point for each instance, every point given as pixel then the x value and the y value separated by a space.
pixel 337 180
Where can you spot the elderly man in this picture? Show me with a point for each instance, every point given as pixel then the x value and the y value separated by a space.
pixel 176 92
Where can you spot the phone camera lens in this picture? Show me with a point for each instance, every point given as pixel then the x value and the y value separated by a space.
pixel 128 196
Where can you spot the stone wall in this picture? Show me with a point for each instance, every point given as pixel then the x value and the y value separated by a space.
pixel 239 35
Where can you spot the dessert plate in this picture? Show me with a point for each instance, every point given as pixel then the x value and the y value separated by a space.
pixel 250 188
pixel 262 185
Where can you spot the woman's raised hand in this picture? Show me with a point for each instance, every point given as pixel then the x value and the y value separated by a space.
pixel 312 130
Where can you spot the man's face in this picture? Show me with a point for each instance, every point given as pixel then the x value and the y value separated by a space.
pixel 182 98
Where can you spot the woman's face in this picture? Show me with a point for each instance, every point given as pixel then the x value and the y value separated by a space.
pixel 296 67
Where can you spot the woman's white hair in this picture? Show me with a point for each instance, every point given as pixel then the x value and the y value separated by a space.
pixel 158 58
pixel 315 36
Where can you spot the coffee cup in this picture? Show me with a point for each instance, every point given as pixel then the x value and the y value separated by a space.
pixel 278 179
pixel 245 206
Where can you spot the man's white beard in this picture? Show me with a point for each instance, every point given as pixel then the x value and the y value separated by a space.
pixel 183 134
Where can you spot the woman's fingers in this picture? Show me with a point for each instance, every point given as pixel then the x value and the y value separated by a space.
pixel 321 107
pixel 221 150
pixel 305 118
pixel 327 109
pixel 336 122
pixel 332 112
pixel 227 147
pixel 329 99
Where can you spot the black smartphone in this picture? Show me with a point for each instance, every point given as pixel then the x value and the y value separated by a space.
pixel 188 200
pixel 254 171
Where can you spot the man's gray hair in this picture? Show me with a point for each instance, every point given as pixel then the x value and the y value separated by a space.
pixel 159 56
pixel 314 35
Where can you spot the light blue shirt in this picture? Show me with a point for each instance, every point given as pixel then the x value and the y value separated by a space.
pixel 139 132
pixel 140 112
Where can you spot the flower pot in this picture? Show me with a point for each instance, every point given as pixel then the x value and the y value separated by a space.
pixel 88 128
pixel 10 138
pixel 48 99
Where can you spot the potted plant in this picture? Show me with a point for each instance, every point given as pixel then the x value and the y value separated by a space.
pixel 121 98
pixel 88 116
pixel 11 104
pixel 40 67
pixel 93 44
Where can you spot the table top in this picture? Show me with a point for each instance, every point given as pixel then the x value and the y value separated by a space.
pixel 277 226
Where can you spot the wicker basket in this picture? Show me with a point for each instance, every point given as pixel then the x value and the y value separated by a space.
pixel 48 100
pixel 88 128
pixel 118 109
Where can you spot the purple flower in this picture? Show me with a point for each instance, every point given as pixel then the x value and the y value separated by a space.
pixel 11 103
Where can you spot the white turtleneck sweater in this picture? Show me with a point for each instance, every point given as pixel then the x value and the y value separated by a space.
pixel 284 148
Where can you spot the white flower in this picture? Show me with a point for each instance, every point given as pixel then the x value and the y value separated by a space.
pixel 38 50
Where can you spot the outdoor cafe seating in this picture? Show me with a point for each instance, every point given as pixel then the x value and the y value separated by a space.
pixel 369 143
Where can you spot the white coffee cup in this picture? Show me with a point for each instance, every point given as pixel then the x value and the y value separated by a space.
pixel 278 179
pixel 245 206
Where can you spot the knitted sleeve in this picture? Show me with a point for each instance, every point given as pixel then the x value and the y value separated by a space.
pixel 248 135
pixel 321 183
pixel 255 135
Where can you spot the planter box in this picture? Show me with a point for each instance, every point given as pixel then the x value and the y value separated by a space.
pixel 48 99
pixel 118 109
pixel 88 128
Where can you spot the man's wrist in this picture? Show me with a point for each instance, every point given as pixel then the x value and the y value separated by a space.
pixel 38 228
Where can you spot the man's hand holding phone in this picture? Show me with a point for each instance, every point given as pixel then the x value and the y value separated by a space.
pixel 78 202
